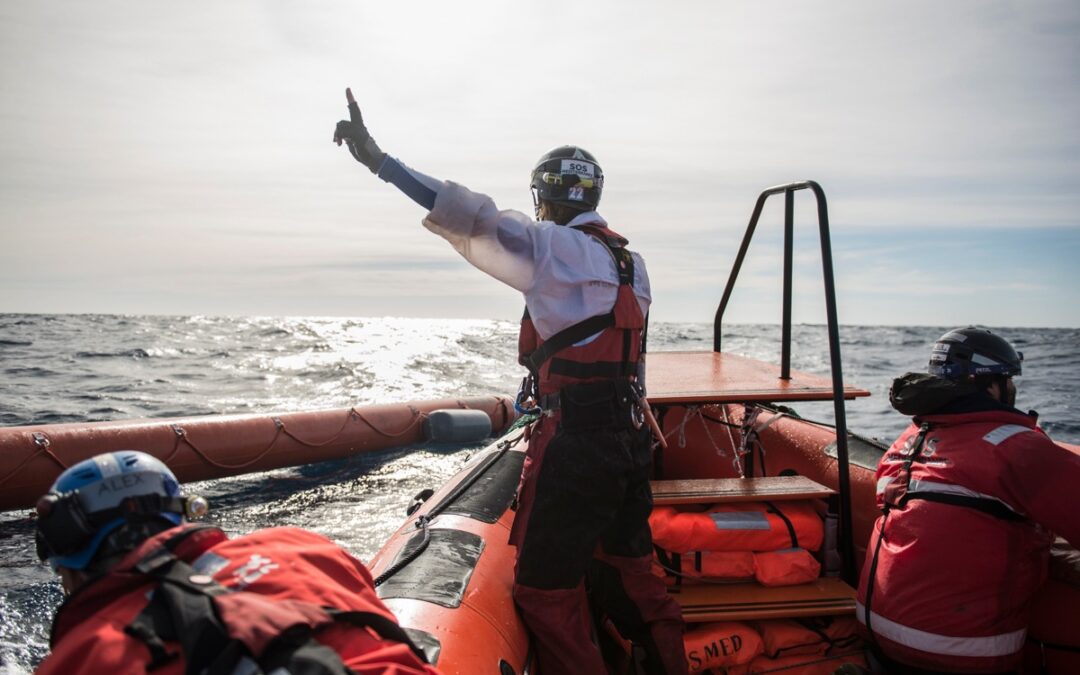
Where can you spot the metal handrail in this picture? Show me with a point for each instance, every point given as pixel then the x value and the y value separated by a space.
pixel 847 547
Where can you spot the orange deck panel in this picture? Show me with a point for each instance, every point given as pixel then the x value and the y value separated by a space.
pixel 717 377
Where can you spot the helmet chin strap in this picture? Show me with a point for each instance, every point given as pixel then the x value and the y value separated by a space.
pixel 1008 397
pixel 1004 396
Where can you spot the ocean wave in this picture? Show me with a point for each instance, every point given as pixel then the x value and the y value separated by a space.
pixel 275 332
pixel 108 412
pixel 136 353
pixel 30 372
pixel 56 417
pixel 8 419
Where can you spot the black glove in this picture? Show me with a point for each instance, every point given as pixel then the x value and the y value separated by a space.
pixel 360 143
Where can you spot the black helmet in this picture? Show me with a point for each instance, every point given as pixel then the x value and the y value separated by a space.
pixel 971 351
pixel 570 176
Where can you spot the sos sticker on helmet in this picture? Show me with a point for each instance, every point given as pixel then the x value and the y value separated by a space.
pixel 577 167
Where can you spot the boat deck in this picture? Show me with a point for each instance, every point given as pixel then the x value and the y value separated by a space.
pixel 718 377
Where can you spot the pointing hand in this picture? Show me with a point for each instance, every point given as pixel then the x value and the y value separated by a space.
pixel 356 137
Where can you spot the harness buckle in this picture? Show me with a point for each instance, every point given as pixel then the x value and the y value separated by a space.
pixel 526 402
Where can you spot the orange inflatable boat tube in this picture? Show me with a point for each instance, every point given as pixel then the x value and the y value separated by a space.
pixel 199 448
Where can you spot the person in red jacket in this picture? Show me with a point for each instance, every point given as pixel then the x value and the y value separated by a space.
pixel 148 591
pixel 584 501
pixel 972 494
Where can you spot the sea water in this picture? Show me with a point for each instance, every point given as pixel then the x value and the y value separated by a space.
pixel 77 368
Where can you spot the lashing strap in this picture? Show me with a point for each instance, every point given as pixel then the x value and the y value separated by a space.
pixel 567 337
pixel 990 507
pixel 787 521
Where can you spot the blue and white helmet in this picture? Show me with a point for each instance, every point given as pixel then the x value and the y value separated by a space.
pixel 98 495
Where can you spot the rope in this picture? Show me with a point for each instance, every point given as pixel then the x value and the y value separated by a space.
pixel 178 432
pixel 42 443
pixel 720 452
pixel 765 425
pixel 417 417
pixel 182 436
pixel 731 439
pixel 282 429
pixel 680 428
pixel 696 412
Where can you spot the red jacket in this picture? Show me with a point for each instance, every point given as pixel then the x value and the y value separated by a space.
pixel 279 564
pixel 953 582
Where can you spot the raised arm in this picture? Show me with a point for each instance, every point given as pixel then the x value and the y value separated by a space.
pixel 505 244
pixel 353 133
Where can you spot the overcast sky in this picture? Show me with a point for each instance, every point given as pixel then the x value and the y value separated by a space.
pixel 176 157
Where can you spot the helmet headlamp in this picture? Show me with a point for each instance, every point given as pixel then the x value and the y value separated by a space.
pixel 65 528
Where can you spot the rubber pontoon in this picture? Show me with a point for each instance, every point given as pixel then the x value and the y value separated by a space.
pixel 213 446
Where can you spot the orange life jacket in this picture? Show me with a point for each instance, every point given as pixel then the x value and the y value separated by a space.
pixel 721 645
pixel 806 664
pixel 613 354
pixel 812 635
pixel 785 567
pixel 244 595
pixel 749 526
pixel 691 568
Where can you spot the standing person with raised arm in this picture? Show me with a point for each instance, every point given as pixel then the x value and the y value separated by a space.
pixel 584 498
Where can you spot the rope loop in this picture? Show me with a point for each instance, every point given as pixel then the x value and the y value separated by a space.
pixel 42 443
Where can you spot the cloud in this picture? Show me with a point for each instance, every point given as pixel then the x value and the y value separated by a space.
pixel 194 142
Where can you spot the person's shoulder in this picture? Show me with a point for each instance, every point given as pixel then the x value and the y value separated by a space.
pixel 1023 438
pixel 1027 447
pixel 97 645
pixel 1008 428
pixel 639 260
pixel 261 554
pixel 896 451
pixel 285 535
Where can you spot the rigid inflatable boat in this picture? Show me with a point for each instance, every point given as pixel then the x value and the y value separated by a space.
pixel 447 573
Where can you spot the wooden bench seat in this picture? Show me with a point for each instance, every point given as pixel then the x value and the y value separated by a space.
pixel 719 490
pixel 742 601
